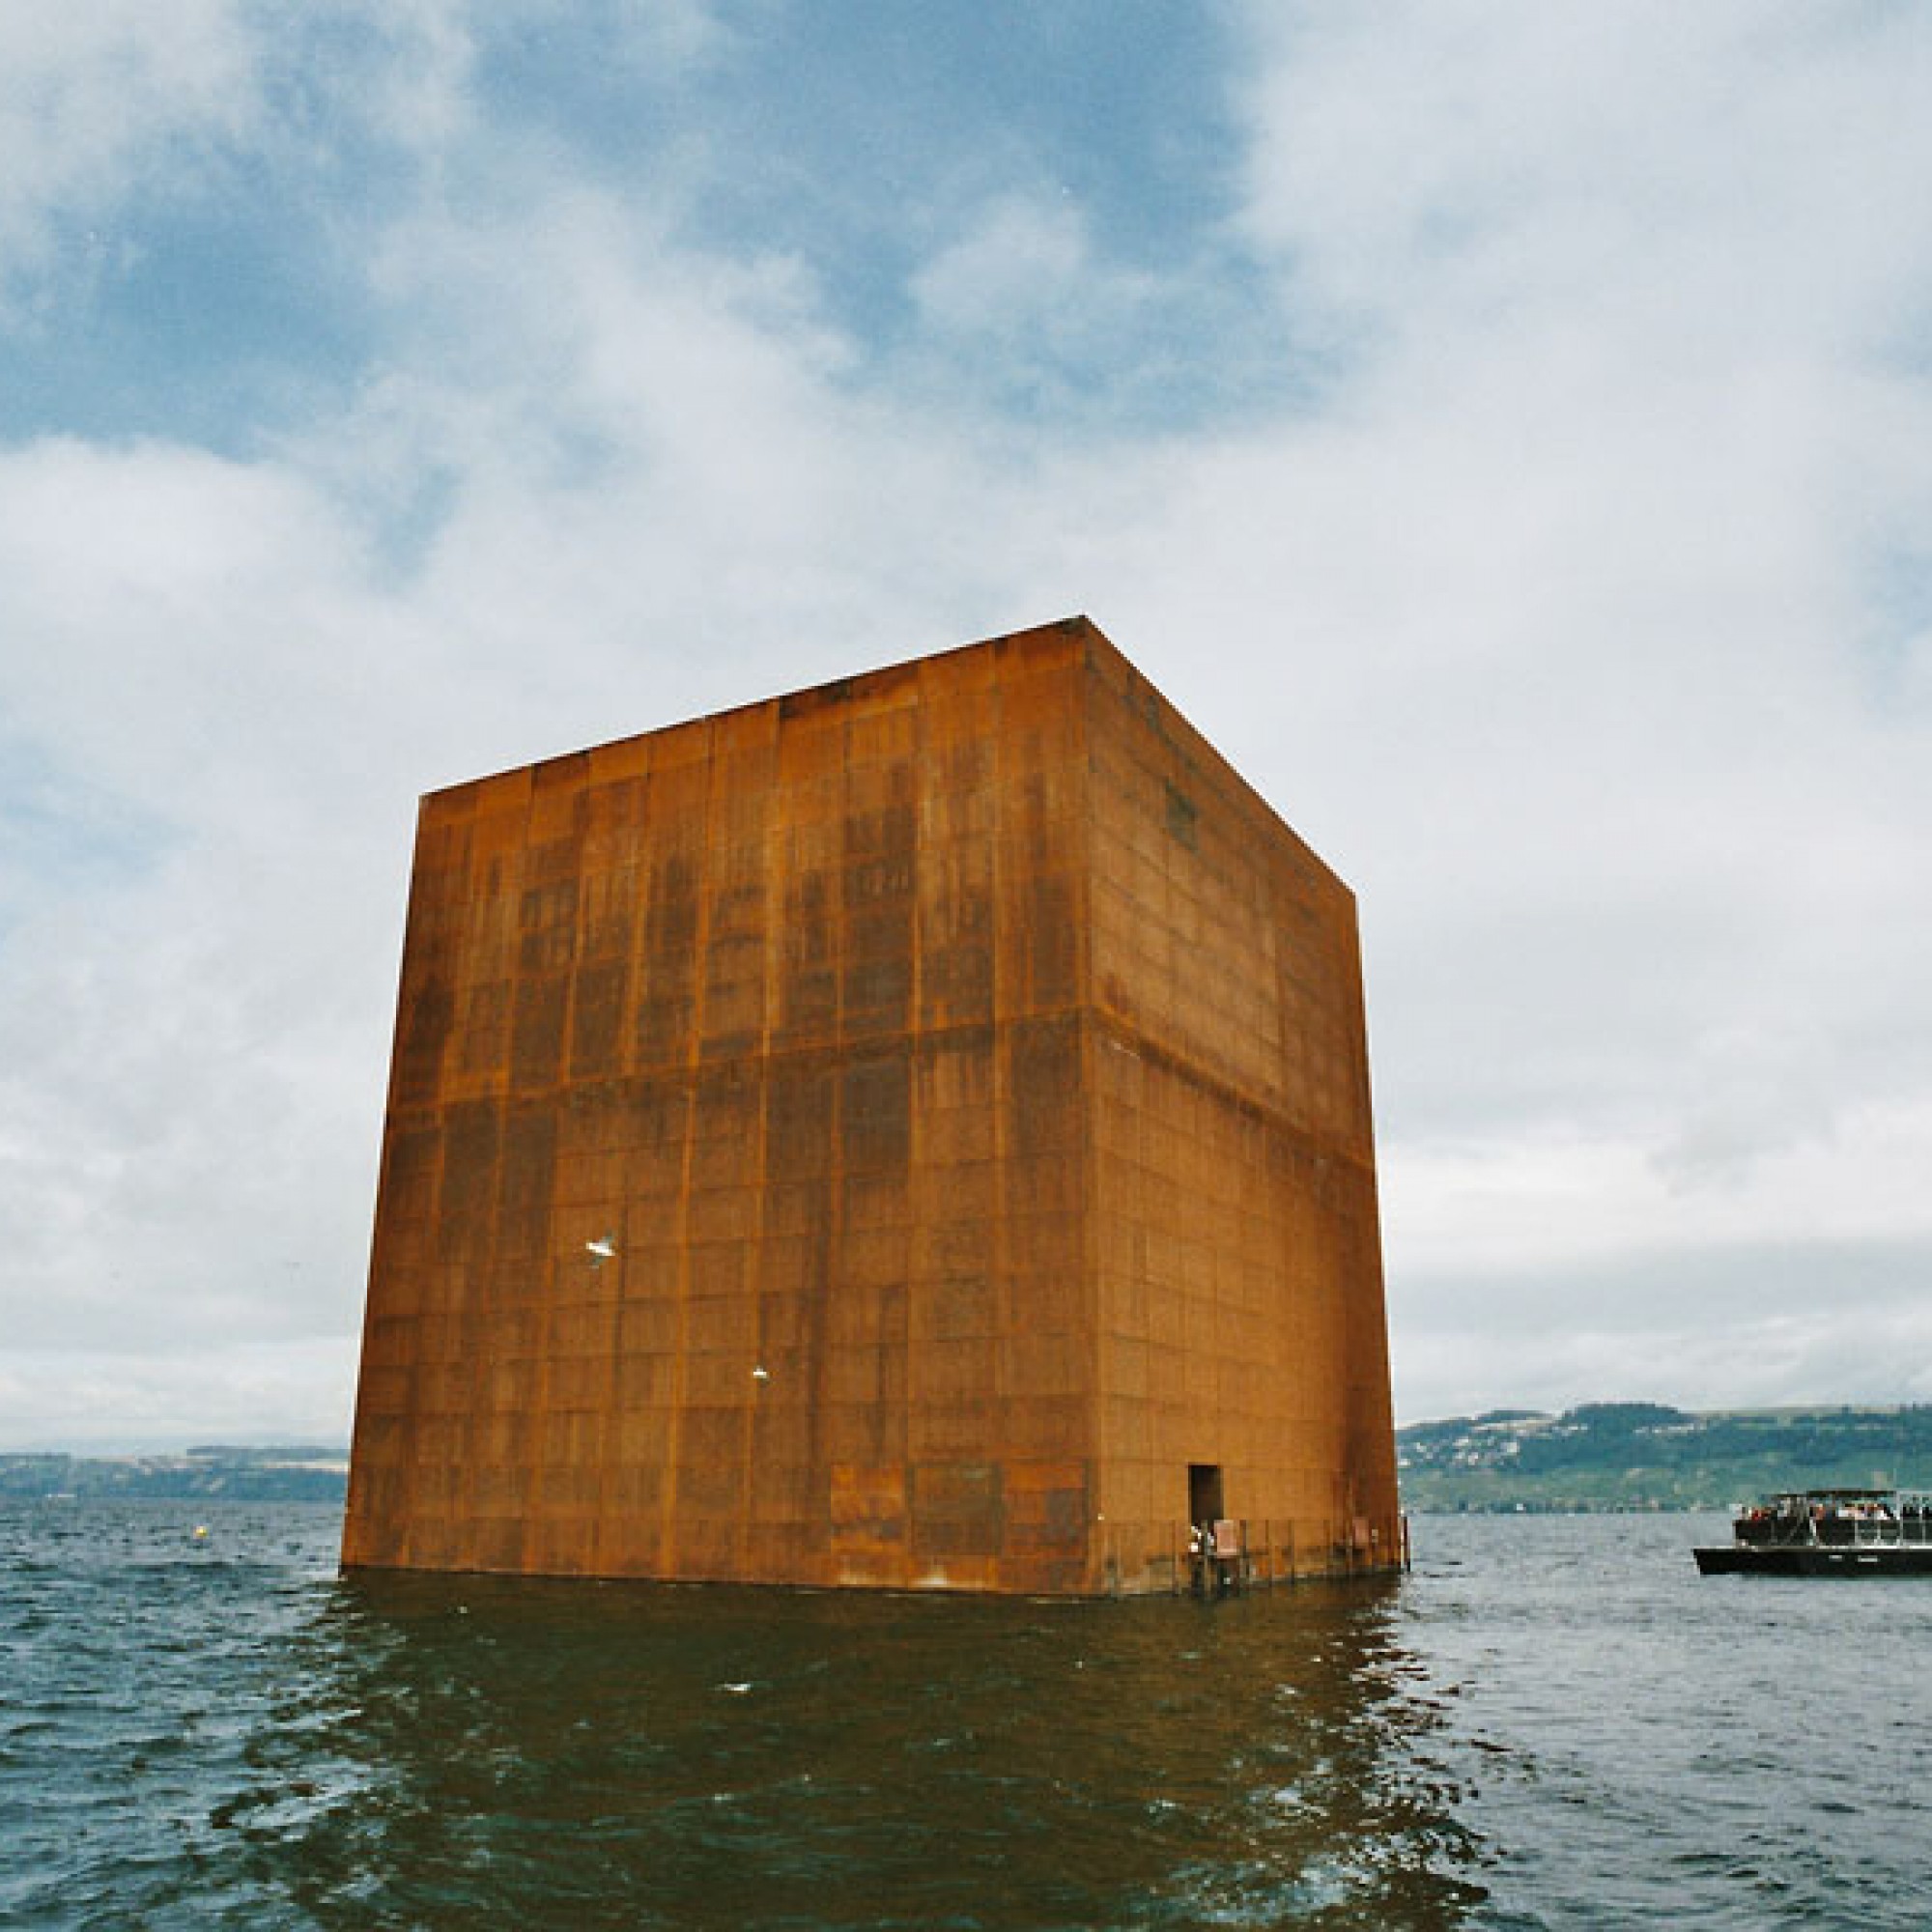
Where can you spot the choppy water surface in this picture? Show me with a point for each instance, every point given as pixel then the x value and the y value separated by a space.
pixel 1553 1723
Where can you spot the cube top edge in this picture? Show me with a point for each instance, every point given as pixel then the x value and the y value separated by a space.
pixel 514 784
pixel 741 728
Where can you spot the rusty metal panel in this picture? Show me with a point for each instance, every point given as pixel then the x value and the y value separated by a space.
pixel 1237 1249
pixel 880 1136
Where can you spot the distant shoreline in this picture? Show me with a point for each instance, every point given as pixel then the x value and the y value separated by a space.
pixel 1629 1458
pixel 215 1474
pixel 1600 1458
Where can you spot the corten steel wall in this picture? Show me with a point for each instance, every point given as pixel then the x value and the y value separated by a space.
pixel 952 1213
pixel 1236 1229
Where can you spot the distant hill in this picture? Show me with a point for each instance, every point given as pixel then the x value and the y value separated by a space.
pixel 216 1472
pixel 1604 1455
pixel 1641 1456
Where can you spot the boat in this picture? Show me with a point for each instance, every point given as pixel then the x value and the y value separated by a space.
pixel 1828 1533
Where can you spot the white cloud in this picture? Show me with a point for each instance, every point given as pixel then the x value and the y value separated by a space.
pixel 653 502
pixel 1015 275
pixel 95 97
pixel 1620 175
pixel 188 1146
pixel 164 1396
pixel 1509 1210
pixel 1559 626
pixel 1565 620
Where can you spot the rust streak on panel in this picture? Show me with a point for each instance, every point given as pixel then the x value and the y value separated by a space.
pixel 909 1133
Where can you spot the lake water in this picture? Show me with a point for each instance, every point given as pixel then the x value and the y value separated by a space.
pixel 1550 1723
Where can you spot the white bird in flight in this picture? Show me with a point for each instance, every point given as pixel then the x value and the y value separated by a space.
pixel 603 1248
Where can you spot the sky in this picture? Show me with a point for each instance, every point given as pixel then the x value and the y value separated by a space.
pixel 1504 430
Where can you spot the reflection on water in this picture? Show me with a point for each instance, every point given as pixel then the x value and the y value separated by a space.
pixel 622 1755
pixel 1552 1723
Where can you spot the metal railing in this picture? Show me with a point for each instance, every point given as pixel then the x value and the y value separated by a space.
pixel 1276 1555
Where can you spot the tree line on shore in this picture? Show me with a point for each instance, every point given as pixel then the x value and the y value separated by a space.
pixel 210 1473
pixel 1598 1456
pixel 1640 1455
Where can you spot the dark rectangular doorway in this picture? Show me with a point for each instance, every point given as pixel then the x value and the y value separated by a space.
pixel 1205 1501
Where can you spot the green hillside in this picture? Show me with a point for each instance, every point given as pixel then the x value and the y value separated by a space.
pixel 212 1474
pixel 1639 1456
pixel 1603 1456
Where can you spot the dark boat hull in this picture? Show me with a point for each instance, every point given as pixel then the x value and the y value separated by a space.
pixel 1810 1559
